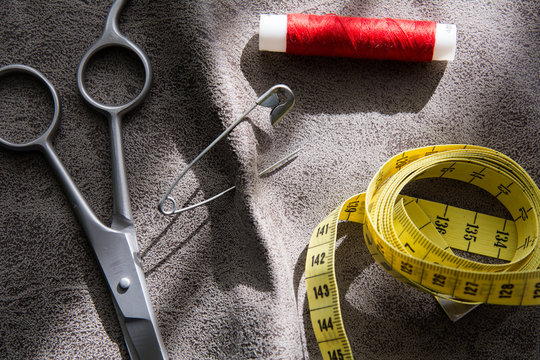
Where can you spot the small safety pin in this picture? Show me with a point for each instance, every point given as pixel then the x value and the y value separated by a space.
pixel 269 99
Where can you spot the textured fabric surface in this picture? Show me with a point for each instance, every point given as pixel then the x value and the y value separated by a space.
pixel 226 279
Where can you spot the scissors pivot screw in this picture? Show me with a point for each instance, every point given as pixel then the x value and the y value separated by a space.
pixel 124 283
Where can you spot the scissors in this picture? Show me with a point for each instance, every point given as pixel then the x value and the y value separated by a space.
pixel 116 246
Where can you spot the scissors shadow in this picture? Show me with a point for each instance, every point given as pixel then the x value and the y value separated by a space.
pixel 161 236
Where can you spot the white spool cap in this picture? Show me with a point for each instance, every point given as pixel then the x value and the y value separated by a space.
pixel 273 33
pixel 445 42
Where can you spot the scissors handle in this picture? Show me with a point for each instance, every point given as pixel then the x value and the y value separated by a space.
pixel 43 143
pixel 39 142
pixel 111 37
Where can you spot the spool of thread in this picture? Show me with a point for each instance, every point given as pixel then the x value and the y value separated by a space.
pixel 366 38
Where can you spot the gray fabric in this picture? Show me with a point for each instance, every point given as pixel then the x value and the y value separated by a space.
pixel 226 280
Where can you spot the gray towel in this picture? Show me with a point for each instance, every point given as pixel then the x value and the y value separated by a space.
pixel 226 279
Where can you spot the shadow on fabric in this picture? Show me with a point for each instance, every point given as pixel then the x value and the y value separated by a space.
pixel 352 258
pixel 342 85
pixel 211 248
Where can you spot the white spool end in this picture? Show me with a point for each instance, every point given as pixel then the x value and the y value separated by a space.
pixel 445 42
pixel 273 33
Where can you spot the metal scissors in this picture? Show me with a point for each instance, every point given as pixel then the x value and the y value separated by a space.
pixel 116 246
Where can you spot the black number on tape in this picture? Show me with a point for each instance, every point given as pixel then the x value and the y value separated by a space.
pixel 471 288
pixel 537 290
pixel 401 162
pixel 335 354
pixel 523 213
pixel 352 206
pixel 322 230
pixel 438 280
pixel 506 291
pixel 406 267
pixel 325 324
pixel 318 260
pixel 528 241
pixel 471 231
pixel 409 246
pixel 321 291
pixel 441 224
pixel 501 238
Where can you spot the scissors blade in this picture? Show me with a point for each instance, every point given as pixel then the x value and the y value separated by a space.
pixel 142 339
pixel 119 260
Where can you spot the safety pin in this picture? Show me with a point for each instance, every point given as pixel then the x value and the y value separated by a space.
pixel 269 99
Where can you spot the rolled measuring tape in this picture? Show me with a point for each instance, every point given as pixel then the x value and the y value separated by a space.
pixel 413 239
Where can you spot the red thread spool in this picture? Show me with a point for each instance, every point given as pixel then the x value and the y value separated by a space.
pixel 381 39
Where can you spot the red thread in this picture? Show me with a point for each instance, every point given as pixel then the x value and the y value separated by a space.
pixel 381 39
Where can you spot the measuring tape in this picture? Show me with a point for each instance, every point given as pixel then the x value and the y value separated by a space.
pixel 413 238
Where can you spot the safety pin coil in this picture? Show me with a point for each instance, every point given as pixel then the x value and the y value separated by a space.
pixel 269 99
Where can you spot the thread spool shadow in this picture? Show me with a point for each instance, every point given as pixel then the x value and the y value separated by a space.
pixel 342 85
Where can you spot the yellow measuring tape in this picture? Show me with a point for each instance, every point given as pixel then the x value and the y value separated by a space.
pixel 413 239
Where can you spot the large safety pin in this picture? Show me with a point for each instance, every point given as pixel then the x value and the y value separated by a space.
pixel 269 99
